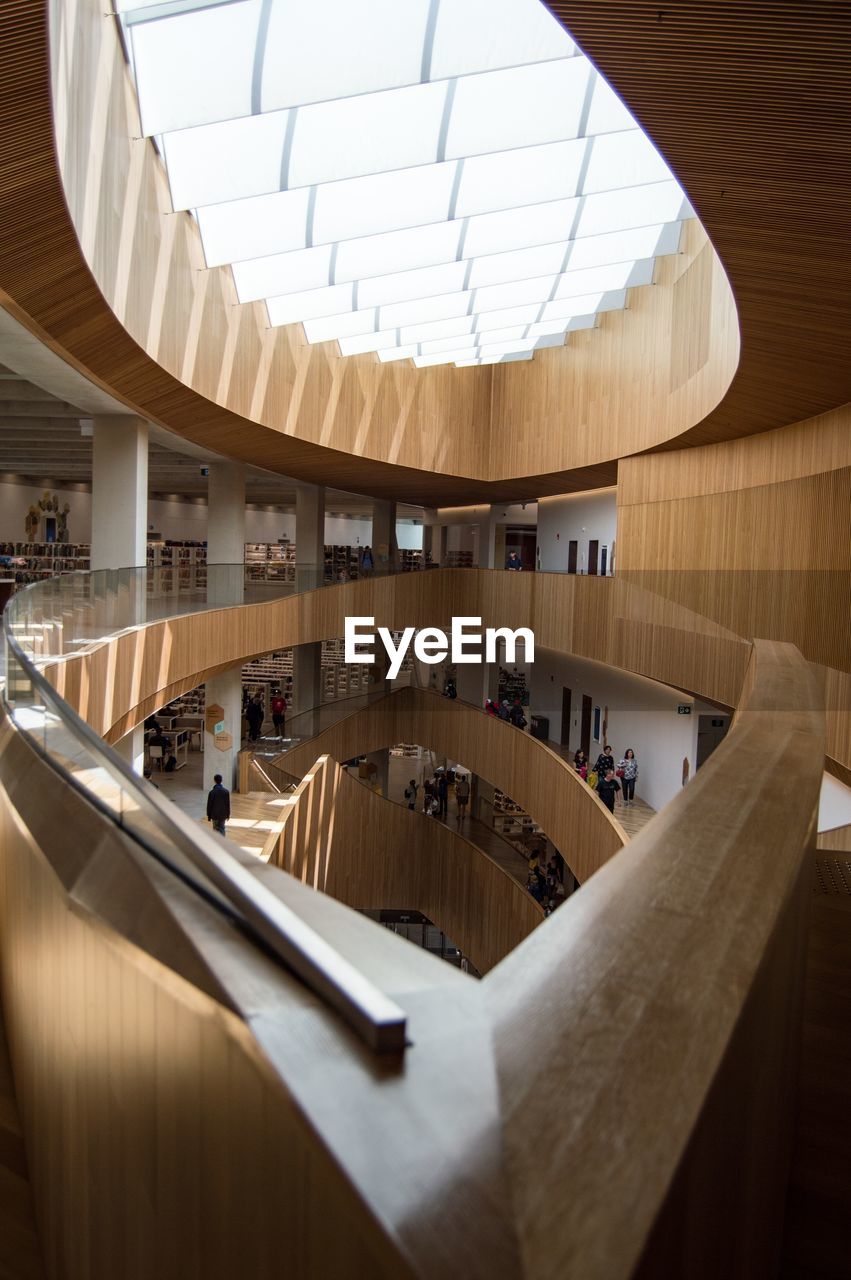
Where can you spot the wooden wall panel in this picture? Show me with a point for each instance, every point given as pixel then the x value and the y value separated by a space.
pixel 344 839
pixel 754 534
pixel 541 782
pixel 612 391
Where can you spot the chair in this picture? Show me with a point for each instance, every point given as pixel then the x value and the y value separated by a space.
pixel 155 755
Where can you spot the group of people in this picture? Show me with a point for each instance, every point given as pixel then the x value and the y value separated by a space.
pixel 546 881
pixel 513 713
pixel 607 779
pixel 255 712
pixel 435 795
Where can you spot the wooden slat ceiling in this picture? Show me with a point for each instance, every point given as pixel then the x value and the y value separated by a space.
pixel 750 102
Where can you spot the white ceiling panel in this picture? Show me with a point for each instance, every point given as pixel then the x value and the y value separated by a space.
pixel 422 180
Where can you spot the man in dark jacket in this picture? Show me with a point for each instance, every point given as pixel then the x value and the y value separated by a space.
pixel 255 716
pixel 606 789
pixel 442 795
pixel 218 805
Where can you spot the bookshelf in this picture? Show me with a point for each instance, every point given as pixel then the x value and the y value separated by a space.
pixel 39 560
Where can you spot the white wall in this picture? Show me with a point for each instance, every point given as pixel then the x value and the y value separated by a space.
pixel 583 516
pixel 409 537
pixel 641 714
pixel 16 500
pixel 834 805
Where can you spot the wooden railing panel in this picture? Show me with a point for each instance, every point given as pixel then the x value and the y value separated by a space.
pixel 340 837
pixel 119 681
pixel 537 779
pixel 679 969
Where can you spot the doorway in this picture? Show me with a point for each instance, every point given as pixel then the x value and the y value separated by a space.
pixel 593 555
pixel 711 731
pixel 585 731
pixel 572 548
pixel 565 718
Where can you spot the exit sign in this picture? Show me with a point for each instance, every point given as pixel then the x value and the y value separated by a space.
pixel 684 709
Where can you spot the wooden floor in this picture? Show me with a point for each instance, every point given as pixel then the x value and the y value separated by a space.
pixel 20 1254
pixel 817 1243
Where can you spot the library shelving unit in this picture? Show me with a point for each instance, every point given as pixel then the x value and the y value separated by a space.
pixel 510 820
pixel 459 560
pixel 176 565
pixel 38 560
pixel 410 560
pixel 512 685
pixel 270 561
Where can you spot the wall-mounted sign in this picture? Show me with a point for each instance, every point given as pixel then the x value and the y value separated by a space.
pixel 684 709
pixel 223 741
pixel 213 714
pixel 219 728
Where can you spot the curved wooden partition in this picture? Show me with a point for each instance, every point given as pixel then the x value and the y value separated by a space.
pixel 116 682
pixel 537 779
pixel 190 1108
pixel 339 836
pixel 186 1073
pixel 674 1040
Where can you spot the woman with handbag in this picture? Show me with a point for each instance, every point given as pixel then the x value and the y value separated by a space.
pixel 627 771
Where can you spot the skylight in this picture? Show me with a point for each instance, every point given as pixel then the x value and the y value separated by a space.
pixel 442 181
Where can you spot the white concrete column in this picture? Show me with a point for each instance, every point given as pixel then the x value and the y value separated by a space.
pixel 384 545
pixel 487 539
pixel 224 691
pixel 434 537
pixel 226 533
pixel 132 749
pixel 226 513
pixel 310 525
pixel 119 492
pixel 307 677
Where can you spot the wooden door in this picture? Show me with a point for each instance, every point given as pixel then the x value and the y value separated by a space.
pixel 585 732
pixel 572 548
pixel 565 718
pixel 593 555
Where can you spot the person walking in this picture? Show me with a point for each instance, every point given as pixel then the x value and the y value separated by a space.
pixel 442 795
pixel 516 715
pixel 411 793
pixel 605 762
pixel 628 771
pixel 367 562
pixel 580 763
pixel 462 796
pixel 607 788
pixel 279 711
pixel 218 805
pixel 255 716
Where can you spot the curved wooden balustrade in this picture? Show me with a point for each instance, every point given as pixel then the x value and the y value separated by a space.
pixel 154 1047
pixel 679 969
pixel 341 837
pixel 117 681
pixel 537 779
pixel 169 1073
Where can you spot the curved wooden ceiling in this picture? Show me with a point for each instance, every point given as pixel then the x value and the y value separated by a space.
pixel 750 103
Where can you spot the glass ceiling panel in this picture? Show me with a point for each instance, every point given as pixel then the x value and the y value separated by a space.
pixel 404 178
